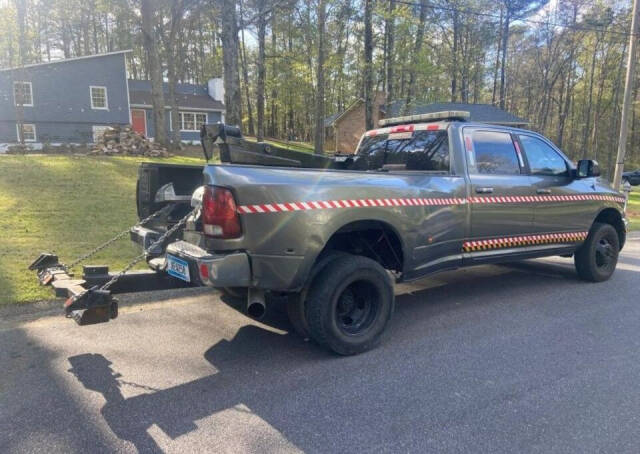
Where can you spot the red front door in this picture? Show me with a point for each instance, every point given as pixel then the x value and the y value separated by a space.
pixel 139 121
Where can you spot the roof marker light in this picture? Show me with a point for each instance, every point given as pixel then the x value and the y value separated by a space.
pixel 435 116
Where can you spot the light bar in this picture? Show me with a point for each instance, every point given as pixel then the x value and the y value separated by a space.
pixel 435 116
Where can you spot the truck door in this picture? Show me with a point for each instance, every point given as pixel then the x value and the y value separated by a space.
pixel 551 177
pixel 499 185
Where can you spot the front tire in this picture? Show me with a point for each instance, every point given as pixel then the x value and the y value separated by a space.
pixel 597 258
pixel 349 305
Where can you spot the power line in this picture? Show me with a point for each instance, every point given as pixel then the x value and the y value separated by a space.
pixel 469 11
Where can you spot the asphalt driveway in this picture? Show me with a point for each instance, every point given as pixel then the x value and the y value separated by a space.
pixel 518 358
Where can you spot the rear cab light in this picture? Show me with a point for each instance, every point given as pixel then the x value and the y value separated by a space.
pixel 220 217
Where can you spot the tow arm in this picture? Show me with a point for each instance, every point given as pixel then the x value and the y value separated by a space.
pixel 90 299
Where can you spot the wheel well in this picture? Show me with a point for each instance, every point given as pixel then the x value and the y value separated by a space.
pixel 374 239
pixel 613 217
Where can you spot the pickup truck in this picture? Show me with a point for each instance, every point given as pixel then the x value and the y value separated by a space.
pixel 422 194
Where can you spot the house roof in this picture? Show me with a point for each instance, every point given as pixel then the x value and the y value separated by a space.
pixel 190 96
pixel 66 60
pixel 481 113
pixel 331 120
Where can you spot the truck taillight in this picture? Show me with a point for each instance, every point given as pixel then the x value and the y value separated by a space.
pixel 219 214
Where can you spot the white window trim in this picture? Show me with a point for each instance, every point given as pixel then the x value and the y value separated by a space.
pixel 206 119
pixel 106 97
pixel 15 101
pixel 35 135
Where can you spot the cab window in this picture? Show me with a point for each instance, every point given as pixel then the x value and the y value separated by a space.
pixel 543 160
pixel 493 153
pixel 416 150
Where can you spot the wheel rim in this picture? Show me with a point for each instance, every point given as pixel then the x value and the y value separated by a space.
pixel 357 307
pixel 605 254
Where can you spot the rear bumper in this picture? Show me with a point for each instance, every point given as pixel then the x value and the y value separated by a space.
pixel 229 270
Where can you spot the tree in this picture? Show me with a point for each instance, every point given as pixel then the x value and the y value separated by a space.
pixel 229 35
pixel 368 65
pixel 319 111
pixel 147 10
pixel 514 9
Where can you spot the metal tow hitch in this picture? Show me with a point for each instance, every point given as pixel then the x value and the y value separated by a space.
pixel 91 306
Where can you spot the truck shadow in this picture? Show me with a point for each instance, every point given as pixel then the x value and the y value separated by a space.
pixel 264 369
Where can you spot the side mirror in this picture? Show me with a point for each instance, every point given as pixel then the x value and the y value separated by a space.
pixel 587 168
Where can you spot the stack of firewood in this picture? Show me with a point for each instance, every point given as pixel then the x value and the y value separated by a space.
pixel 123 140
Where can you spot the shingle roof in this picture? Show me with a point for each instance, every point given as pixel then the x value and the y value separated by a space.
pixel 66 60
pixel 189 95
pixel 481 113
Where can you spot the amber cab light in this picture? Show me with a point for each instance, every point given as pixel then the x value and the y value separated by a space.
pixel 219 213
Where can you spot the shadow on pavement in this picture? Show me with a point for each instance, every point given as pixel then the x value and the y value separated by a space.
pixel 264 370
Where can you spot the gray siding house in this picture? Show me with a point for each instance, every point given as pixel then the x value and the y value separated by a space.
pixel 73 100
pixel 198 104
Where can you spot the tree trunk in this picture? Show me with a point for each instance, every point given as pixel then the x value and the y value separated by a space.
pixel 21 11
pixel 147 10
pixel 245 74
pixel 503 66
pixel 274 77
pixel 368 65
pixel 229 35
pixel 587 126
pixel 454 57
pixel 319 117
pixel 174 61
pixel 417 47
pixel 498 51
pixel 262 26
pixel 390 57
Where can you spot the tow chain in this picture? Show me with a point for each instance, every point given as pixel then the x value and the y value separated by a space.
pixel 139 258
pixel 120 235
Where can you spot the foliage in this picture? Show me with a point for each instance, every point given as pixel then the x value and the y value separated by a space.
pixel 564 64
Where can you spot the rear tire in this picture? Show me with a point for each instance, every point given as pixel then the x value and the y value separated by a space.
pixel 349 305
pixel 596 259
pixel 296 301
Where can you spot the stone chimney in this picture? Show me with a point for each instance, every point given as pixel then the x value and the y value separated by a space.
pixel 215 88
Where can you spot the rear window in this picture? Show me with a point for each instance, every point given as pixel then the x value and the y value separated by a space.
pixel 418 150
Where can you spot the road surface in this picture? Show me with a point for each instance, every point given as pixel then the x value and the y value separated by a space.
pixel 518 358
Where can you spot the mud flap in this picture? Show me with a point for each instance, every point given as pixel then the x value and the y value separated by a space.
pixel 91 307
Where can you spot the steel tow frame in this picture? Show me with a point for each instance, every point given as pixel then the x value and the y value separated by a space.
pixel 95 304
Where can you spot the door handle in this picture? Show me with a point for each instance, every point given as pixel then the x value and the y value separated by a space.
pixel 543 191
pixel 484 190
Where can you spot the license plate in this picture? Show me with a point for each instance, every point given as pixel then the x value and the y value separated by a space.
pixel 178 268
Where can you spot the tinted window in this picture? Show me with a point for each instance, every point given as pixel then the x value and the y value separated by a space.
pixel 543 160
pixel 495 153
pixel 419 150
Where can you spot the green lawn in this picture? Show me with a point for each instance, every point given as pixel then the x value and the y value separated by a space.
pixel 633 210
pixel 67 205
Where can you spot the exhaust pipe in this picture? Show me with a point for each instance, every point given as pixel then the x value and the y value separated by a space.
pixel 256 306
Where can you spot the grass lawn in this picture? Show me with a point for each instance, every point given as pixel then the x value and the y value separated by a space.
pixel 66 205
pixel 633 210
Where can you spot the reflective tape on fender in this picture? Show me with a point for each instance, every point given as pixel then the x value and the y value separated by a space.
pixel 347 203
pixel 524 240
pixel 413 202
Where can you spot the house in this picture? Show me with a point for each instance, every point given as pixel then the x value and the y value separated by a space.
pixel 347 127
pixel 198 104
pixel 75 99
pixel 344 129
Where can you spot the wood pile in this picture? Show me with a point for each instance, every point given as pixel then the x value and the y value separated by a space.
pixel 123 140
